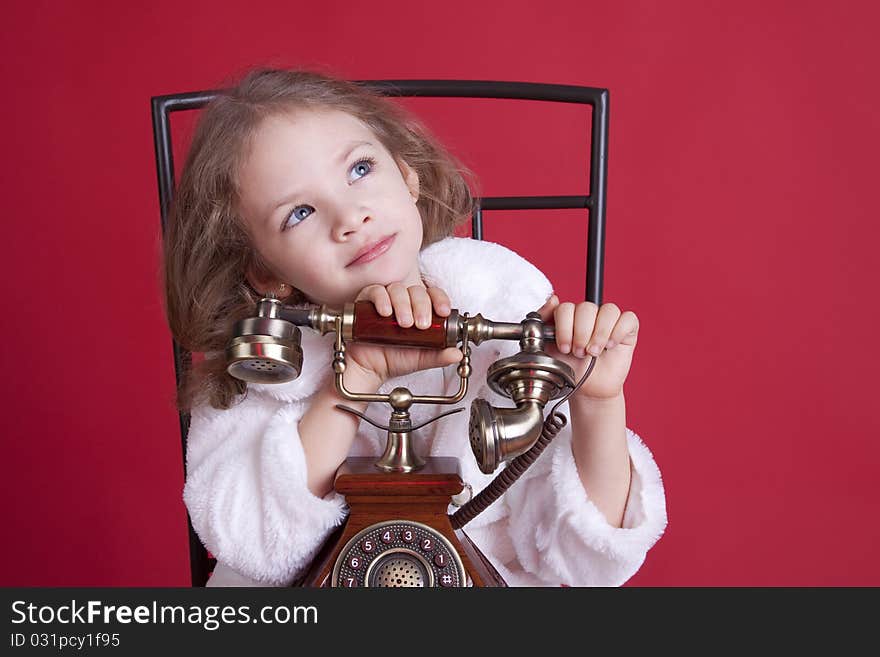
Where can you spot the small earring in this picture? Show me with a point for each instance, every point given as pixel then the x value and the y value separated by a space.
pixel 281 289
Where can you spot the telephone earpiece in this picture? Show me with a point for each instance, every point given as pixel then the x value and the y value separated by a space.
pixel 265 348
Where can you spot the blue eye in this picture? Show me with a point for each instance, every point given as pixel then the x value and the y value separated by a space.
pixel 363 166
pixel 299 213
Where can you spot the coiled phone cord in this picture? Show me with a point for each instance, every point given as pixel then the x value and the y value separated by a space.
pixel 553 424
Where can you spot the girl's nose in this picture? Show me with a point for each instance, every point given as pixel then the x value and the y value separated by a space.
pixel 349 221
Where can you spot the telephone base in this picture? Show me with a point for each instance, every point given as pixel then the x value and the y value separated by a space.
pixel 398 532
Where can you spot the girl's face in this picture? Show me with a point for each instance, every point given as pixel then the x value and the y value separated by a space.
pixel 316 190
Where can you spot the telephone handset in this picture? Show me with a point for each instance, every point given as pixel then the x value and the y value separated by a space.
pixel 398 532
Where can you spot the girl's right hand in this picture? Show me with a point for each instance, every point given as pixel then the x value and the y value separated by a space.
pixel 412 305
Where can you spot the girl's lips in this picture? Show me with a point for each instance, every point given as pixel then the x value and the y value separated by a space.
pixel 374 252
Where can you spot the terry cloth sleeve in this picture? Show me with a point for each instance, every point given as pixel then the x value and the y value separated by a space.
pixel 246 489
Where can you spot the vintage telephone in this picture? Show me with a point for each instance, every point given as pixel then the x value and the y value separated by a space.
pixel 398 532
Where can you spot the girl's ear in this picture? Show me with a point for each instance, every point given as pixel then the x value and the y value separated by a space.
pixel 265 285
pixel 411 178
pixel 262 281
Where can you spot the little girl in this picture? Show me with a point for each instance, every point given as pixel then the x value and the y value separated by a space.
pixel 321 192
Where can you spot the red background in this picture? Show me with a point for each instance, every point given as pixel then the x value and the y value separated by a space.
pixel 741 230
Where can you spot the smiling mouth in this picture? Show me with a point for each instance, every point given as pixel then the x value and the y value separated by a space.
pixel 376 251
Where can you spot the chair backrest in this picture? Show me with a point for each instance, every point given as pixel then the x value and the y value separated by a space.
pixel 201 563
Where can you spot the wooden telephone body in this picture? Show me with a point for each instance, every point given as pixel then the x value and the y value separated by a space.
pixel 398 531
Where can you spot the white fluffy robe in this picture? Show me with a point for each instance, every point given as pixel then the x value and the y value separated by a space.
pixel 246 485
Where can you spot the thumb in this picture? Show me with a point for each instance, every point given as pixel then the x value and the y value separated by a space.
pixel 449 356
pixel 546 311
pixel 431 358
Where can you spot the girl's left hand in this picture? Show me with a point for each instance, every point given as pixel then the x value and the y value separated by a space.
pixel 585 329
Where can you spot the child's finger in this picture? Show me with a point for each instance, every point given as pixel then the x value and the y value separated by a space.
pixel 431 358
pixel 584 321
pixel 401 302
pixel 564 320
pixel 546 311
pixel 379 296
pixel 421 306
pixel 625 331
pixel 441 301
pixel 604 323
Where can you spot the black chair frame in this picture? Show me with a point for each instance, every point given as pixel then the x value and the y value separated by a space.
pixel 162 107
